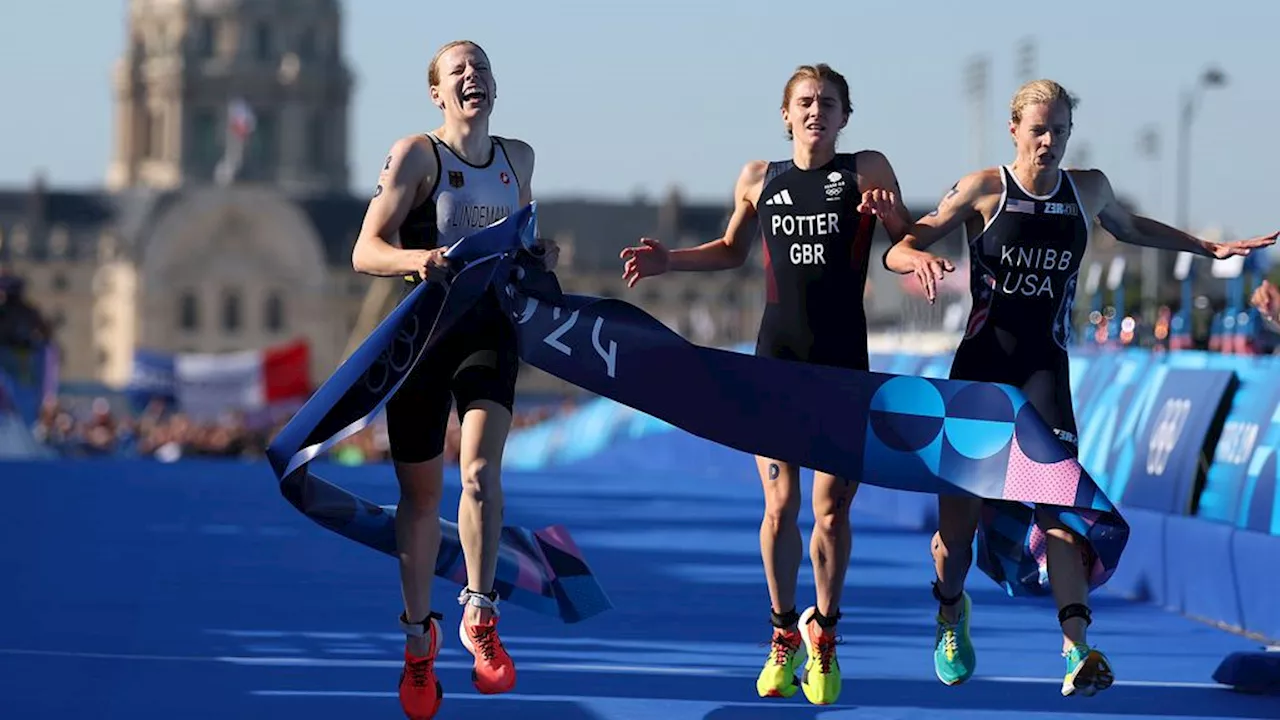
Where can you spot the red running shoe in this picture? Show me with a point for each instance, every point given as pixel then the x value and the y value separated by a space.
pixel 494 671
pixel 420 690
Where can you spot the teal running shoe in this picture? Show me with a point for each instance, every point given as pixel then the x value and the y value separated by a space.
pixel 1088 672
pixel 953 655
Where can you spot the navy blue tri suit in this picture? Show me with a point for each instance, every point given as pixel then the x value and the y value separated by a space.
pixel 1023 270
pixel 816 250
pixel 479 358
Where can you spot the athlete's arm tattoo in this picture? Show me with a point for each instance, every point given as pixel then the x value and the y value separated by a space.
pixel 955 190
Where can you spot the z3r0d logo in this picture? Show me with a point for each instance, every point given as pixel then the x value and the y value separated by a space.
pixel 1165 433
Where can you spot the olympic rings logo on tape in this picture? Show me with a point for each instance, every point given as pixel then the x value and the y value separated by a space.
pixel 388 360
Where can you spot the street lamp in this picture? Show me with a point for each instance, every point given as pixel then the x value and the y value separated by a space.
pixel 1149 149
pixel 975 83
pixel 1210 78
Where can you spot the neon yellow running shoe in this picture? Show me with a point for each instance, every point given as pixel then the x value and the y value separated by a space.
pixel 821 676
pixel 954 658
pixel 778 678
pixel 1088 671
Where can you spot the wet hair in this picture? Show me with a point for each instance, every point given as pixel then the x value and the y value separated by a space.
pixel 822 73
pixel 1040 92
pixel 433 69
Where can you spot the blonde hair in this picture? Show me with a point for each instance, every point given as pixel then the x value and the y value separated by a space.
pixel 1039 92
pixel 433 69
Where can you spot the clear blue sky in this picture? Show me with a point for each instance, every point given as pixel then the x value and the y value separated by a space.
pixel 637 95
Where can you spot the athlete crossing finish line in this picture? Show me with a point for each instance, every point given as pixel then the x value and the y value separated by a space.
pixel 817 246
pixel 434 190
pixel 1028 225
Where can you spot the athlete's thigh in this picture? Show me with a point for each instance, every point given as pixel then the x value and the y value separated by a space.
pixel 421 483
pixel 485 426
pixel 781 482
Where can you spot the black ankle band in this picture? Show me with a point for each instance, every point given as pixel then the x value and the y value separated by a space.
pixel 785 620
pixel 948 601
pixel 404 618
pixel 492 594
pixel 418 629
pixel 1075 610
pixel 824 621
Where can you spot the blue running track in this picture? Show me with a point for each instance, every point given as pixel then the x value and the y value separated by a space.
pixel 136 590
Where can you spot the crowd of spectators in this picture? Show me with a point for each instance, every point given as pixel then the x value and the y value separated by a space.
pixel 99 427
pixel 74 428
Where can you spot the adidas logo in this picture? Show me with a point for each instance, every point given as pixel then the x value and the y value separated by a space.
pixel 782 197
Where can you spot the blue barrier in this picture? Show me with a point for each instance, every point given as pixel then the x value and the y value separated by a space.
pixel 1233 478
pixel 1175 409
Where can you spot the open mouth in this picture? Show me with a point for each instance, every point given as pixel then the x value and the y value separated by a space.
pixel 474 95
pixel 815 127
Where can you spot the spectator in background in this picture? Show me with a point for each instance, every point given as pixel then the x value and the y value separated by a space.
pixel 21 325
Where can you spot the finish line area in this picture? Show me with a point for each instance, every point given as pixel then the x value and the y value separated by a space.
pixel 137 589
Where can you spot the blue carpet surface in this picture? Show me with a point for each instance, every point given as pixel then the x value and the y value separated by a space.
pixel 137 590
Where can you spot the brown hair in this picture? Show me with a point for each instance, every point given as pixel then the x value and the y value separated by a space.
pixel 1040 92
pixel 822 73
pixel 433 69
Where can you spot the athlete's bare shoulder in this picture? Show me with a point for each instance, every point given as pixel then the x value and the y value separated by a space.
pixel 1090 181
pixel 870 158
pixel 975 187
pixel 411 160
pixel 413 145
pixel 875 171
pixel 981 190
pixel 1094 190
pixel 976 193
pixel 751 181
pixel 987 181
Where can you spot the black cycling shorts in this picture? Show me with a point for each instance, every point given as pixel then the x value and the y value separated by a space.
pixel 478 359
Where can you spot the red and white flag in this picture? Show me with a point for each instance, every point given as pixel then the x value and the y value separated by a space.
pixel 208 385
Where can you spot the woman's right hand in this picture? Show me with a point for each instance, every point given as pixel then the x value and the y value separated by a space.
pixel 427 263
pixel 646 260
